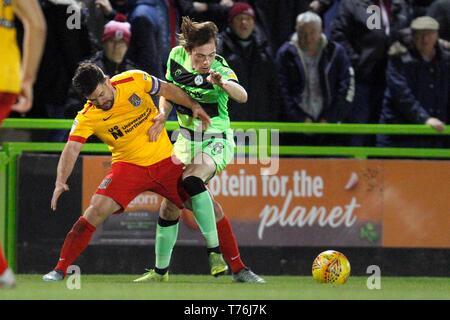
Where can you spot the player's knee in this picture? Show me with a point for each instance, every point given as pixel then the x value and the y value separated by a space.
pixel 193 185
pixel 95 215
pixel 169 211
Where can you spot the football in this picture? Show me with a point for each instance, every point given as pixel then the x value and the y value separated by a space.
pixel 331 267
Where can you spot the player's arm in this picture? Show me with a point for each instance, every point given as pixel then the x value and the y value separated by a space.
pixel 32 18
pixel 159 122
pixel 173 93
pixel 233 89
pixel 65 166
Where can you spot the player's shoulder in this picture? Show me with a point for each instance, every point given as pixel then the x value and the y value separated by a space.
pixel 178 53
pixel 86 113
pixel 129 76
pixel 220 61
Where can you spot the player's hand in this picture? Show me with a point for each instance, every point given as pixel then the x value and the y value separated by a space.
pixel 215 78
pixel 59 189
pixel 25 101
pixel 199 113
pixel 436 124
pixel 155 130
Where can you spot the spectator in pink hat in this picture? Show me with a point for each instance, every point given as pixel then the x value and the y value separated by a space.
pixel 116 40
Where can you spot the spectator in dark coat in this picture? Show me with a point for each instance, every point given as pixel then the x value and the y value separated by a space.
pixel 146 41
pixel 207 10
pixel 67 43
pixel 440 10
pixel 249 56
pixel 316 77
pixel 366 36
pixel 418 87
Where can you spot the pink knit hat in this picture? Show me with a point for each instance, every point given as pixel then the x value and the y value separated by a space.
pixel 117 30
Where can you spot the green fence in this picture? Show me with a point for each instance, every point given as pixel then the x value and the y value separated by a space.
pixel 10 151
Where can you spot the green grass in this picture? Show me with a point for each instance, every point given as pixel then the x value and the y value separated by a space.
pixel 192 287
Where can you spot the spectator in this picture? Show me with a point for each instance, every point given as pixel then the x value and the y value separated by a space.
pixel 207 10
pixel 116 40
pixel 316 78
pixel 249 56
pixel 277 19
pixel 367 48
pixel 418 86
pixel 65 47
pixel 440 10
pixel 146 43
pixel 417 8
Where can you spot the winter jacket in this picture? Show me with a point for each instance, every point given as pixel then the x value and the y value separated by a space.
pixel 336 81
pixel 416 90
pixel 255 70
pixel 367 48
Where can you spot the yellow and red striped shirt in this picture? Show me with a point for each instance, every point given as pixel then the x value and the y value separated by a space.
pixel 124 127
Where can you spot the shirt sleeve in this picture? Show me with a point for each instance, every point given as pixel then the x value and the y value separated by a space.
pixel 81 128
pixel 227 73
pixel 149 83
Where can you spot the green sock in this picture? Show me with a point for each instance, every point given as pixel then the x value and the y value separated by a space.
pixel 165 241
pixel 203 209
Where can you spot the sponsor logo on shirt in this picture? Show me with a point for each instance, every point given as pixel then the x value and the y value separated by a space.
pixel 116 132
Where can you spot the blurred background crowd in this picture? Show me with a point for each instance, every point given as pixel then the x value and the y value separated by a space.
pixel 328 61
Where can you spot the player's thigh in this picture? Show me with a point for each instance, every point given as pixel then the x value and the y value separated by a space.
pixel 124 183
pixel 221 151
pixel 167 177
pixel 100 208
pixel 202 166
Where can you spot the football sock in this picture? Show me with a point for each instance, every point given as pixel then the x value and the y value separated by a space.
pixel 229 246
pixel 166 236
pixel 76 241
pixel 203 209
pixel 3 263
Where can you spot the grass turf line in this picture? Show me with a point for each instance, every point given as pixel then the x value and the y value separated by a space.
pixel 202 287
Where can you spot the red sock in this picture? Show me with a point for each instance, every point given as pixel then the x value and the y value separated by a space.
pixel 229 246
pixel 3 263
pixel 76 241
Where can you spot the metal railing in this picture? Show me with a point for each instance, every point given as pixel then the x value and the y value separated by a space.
pixel 10 151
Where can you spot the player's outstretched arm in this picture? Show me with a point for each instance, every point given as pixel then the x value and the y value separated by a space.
pixel 65 166
pixel 32 18
pixel 233 89
pixel 173 93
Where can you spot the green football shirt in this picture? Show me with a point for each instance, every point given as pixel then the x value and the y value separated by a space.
pixel 211 97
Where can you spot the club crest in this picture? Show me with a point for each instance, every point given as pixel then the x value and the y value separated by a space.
pixel 135 100
pixel 198 80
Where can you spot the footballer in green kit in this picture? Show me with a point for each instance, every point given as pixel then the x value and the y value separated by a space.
pixel 195 67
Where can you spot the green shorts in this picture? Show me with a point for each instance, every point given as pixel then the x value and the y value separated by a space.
pixel 221 150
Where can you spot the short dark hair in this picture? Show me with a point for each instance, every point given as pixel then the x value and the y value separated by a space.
pixel 87 77
pixel 194 34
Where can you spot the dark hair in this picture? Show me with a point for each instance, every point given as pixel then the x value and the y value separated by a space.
pixel 194 34
pixel 87 77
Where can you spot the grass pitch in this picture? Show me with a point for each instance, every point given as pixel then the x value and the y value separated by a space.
pixel 202 287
